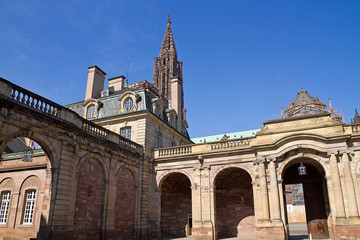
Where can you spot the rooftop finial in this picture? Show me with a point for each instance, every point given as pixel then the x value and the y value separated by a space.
pixel 168 20
pixel 330 105
pixel 282 113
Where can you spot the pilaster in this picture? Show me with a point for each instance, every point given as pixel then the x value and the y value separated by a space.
pixel 350 189
pixel 201 203
pixel 274 194
pixel 335 176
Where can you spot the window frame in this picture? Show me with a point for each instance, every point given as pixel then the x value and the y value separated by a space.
pixel 128 104
pixel 124 97
pixel 127 134
pixel 90 112
pixel 8 201
pixel 88 104
pixel 33 207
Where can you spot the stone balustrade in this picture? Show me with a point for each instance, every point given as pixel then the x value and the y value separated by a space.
pixel 230 144
pixel 40 104
pixel 355 128
pixel 218 146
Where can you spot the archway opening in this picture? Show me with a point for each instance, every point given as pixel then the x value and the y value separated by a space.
pixel 234 204
pixel 175 206
pixel 306 197
pixel 25 183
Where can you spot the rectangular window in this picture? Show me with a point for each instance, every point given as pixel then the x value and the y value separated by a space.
pixel 126 132
pixel 29 206
pixel 158 143
pixel 5 202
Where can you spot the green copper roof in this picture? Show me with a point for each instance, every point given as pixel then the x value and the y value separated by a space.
pixel 214 138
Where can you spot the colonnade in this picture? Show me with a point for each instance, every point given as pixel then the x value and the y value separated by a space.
pixel 269 205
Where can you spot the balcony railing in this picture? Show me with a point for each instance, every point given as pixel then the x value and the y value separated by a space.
pixel 47 107
pixel 218 146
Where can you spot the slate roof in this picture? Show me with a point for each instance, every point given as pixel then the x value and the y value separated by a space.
pixel 303 94
pixel 110 104
pixel 16 145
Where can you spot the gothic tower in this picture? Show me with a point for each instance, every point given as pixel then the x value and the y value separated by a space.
pixel 168 77
pixel 166 66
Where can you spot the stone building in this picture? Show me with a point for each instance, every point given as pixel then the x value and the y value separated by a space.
pixel 120 165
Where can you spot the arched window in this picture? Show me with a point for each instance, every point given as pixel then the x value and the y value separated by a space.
pixel 4 207
pixel 29 206
pixel 90 111
pixel 128 104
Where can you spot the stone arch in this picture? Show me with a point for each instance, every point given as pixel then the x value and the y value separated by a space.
pixel 213 177
pixel 306 140
pixel 319 160
pixel 131 169
pixel 163 176
pixel 234 202
pixel 42 180
pixel 89 156
pixel 46 144
pixel 7 183
pixel 175 204
pixel 31 180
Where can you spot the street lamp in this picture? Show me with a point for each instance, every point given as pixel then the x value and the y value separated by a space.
pixel 28 155
pixel 302 169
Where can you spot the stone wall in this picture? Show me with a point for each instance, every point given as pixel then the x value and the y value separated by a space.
pixel 89 203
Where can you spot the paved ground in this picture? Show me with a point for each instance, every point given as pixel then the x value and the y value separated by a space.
pixel 298 231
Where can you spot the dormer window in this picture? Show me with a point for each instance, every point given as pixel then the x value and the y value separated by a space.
pixel 128 104
pixel 90 111
pixel 91 108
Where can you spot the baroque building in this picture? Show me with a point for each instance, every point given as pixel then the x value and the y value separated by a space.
pixel 120 165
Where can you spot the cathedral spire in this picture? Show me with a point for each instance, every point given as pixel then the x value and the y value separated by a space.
pixel 168 45
pixel 168 77
pixel 168 20
pixel 167 66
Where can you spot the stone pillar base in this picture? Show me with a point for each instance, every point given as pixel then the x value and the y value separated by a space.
pixel 270 233
pixel 346 231
pixel 202 233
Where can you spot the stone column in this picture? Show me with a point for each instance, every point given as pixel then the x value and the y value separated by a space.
pixel 263 191
pixel 335 178
pixel 349 186
pixel 274 200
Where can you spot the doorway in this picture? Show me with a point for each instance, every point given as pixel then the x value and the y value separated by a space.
pixel 305 191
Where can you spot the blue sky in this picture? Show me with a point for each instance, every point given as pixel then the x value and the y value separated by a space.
pixel 242 59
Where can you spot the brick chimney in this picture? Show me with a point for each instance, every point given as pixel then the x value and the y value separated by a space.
pixel 95 82
pixel 116 83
